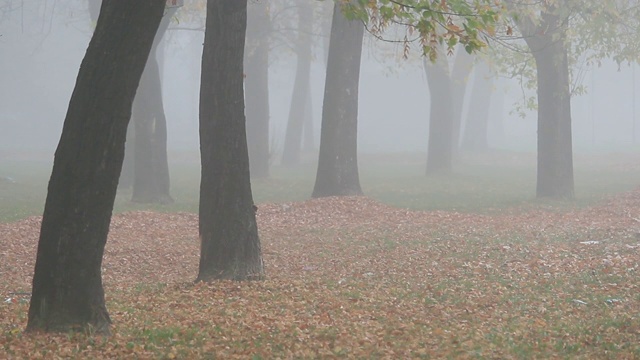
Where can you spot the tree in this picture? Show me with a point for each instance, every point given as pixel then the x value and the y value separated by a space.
pixel 477 124
pixel 440 146
pixel 557 35
pixel 230 247
pixel 337 172
pixel 126 175
pixel 447 90
pixel 151 181
pixel 300 99
pixel 257 87
pixel 67 284
pixel 548 43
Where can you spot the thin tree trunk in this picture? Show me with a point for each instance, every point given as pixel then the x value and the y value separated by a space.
pixel 151 181
pixel 338 159
pixel 496 134
pixel 257 88
pixel 230 247
pixel 67 283
pixel 440 149
pixel 475 132
pixel 301 87
pixel 459 79
pixel 308 144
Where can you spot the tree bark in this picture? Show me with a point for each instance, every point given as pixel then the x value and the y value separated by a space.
pixel 126 174
pixel 257 88
pixel 67 285
pixel 555 154
pixel 151 181
pixel 230 247
pixel 338 159
pixel 301 87
pixel 440 146
pixel 475 132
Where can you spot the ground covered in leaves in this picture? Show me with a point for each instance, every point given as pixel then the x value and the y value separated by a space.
pixel 353 278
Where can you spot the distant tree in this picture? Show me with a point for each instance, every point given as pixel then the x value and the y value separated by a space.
pixel 447 87
pixel 477 124
pixel 559 34
pixel 230 247
pixel 337 172
pixel 300 98
pixel 440 145
pixel 548 43
pixel 67 284
pixel 151 181
pixel 257 87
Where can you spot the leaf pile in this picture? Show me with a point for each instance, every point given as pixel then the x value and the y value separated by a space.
pixel 353 278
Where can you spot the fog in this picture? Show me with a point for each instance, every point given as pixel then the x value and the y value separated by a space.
pixel 43 44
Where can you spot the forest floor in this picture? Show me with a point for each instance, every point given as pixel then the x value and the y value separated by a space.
pixel 353 278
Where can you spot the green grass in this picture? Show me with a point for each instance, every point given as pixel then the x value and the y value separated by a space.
pixel 480 184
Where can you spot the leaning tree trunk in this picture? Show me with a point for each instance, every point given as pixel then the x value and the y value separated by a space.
pixel 257 88
pixel 126 175
pixel 230 247
pixel 338 159
pixel 475 132
pixel 440 149
pixel 547 42
pixel 67 283
pixel 301 87
pixel 151 181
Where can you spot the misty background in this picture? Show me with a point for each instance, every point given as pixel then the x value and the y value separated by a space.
pixel 43 43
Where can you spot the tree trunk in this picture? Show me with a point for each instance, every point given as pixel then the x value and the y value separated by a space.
pixel 459 79
pixel 126 175
pixel 308 142
pixel 338 159
pixel 151 180
pixel 440 149
pixel 301 87
pixel 555 156
pixel 475 132
pixel 257 88
pixel 496 134
pixel 230 247
pixel 67 283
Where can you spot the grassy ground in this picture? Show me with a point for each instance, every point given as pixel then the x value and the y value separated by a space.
pixel 480 184
pixel 393 275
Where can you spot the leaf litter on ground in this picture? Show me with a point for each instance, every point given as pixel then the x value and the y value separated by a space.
pixel 349 277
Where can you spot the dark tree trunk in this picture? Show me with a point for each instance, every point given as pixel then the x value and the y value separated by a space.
pixel 257 88
pixel 126 175
pixel 67 284
pixel 151 181
pixel 325 26
pixel 230 247
pixel 555 155
pixel 475 132
pixel 337 173
pixel 440 149
pixel 301 87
